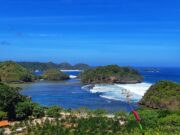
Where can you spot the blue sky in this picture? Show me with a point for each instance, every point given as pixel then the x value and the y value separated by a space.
pixel 97 32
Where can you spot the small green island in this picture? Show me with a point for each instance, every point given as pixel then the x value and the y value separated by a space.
pixel 55 75
pixel 111 74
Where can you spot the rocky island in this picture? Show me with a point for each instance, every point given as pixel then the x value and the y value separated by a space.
pixel 111 74
pixel 55 75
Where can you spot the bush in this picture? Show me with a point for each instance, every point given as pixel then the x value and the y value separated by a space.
pixel 24 109
pixel 148 117
pixel 121 115
pixel 173 119
pixel 38 111
pixel 53 111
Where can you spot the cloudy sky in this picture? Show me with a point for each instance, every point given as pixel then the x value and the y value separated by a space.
pixel 97 32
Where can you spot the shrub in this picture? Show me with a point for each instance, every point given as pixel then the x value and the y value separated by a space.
pixel 53 111
pixel 38 111
pixel 24 109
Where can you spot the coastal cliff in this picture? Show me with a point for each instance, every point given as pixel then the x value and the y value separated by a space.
pixel 163 95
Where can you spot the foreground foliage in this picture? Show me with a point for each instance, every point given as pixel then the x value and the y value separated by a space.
pixel 111 74
pixel 13 105
pixel 154 123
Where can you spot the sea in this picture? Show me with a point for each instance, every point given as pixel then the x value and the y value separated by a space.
pixel 112 98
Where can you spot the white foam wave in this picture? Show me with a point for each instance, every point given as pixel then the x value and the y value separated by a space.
pixel 139 88
pixel 119 91
pixel 87 87
pixel 72 76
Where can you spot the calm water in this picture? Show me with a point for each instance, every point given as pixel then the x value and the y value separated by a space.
pixel 69 94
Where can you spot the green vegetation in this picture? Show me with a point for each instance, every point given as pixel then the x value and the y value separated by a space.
pixel 23 109
pixel 3 115
pixel 32 66
pixel 55 75
pixel 13 72
pixel 53 111
pixel 1 131
pixel 38 111
pixel 111 74
pixel 163 95
pixel 153 122
pixel 9 98
pixel 13 105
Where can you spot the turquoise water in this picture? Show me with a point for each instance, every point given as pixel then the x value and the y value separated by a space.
pixel 69 94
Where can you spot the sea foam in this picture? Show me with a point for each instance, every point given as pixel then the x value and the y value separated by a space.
pixel 72 76
pixel 119 91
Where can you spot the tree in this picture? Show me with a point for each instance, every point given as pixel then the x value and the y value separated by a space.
pixel 9 97
pixel 24 109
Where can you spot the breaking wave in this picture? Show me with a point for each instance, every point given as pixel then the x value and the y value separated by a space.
pixel 120 91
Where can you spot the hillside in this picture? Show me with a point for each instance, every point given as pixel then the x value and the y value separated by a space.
pixel 13 72
pixel 163 95
pixel 45 66
pixel 111 74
